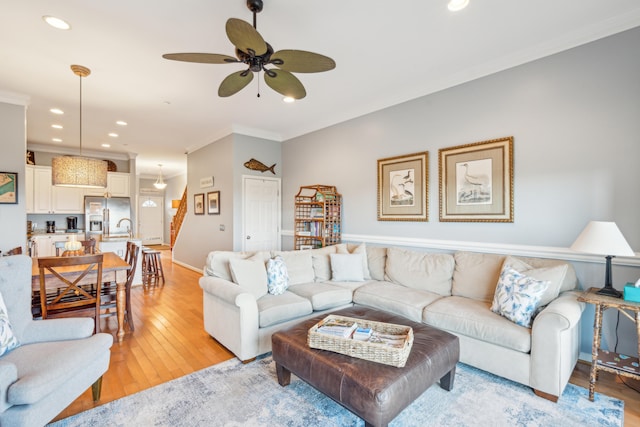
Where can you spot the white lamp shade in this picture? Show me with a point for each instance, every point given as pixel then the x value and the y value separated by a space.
pixel 602 238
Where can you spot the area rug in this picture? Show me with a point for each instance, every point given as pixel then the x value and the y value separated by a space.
pixel 234 394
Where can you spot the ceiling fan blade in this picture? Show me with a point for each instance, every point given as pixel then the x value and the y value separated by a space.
pixel 245 37
pixel 301 61
pixel 285 83
pixel 204 58
pixel 235 82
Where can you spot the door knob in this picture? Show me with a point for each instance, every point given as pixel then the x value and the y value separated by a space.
pixel 248 237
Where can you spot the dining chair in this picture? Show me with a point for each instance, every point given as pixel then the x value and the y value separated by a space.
pixel 108 298
pixel 70 296
pixel 89 246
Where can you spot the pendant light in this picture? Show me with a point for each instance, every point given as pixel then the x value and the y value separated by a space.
pixel 160 184
pixel 78 171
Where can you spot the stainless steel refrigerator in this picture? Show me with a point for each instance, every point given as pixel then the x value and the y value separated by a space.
pixel 104 217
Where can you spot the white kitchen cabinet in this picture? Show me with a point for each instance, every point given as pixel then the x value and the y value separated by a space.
pixel 28 184
pixel 119 246
pixel 117 186
pixel 48 199
pixel 45 244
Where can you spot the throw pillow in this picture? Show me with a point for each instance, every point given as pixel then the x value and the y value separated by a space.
pixel 360 249
pixel 8 340
pixel 277 276
pixel 249 274
pixel 517 296
pixel 346 268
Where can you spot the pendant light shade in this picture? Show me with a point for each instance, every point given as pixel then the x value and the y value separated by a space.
pixel 160 184
pixel 78 171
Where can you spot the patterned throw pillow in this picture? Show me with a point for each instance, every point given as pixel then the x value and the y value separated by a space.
pixel 8 340
pixel 277 276
pixel 517 296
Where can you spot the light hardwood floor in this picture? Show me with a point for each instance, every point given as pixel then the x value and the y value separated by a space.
pixel 169 341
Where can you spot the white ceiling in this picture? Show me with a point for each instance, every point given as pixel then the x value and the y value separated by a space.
pixel 386 52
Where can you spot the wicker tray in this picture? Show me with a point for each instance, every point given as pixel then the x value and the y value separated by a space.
pixel 374 352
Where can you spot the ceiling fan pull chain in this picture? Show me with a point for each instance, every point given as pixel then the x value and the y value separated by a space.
pixel 258 86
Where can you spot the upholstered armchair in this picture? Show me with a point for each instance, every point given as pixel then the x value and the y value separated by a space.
pixel 55 361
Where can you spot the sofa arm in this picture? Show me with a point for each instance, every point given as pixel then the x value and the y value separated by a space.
pixel 71 328
pixel 555 343
pixel 8 375
pixel 231 316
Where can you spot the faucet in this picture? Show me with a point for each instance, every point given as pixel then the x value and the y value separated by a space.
pixel 129 229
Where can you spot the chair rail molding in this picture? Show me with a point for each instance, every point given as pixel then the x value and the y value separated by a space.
pixel 496 248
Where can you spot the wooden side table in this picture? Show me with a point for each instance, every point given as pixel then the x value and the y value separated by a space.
pixel 609 361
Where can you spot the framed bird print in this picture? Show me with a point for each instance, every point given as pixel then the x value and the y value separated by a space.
pixel 476 182
pixel 402 188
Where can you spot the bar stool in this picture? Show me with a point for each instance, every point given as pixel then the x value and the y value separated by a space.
pixel 152 270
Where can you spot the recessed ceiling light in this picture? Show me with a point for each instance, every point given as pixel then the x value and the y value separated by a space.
pixel 113 135
pixel 56 139
pixel 121 123
pixel 58 23
pixel 56 111
pixel 56 126
pixel 456 5
pixel 288 99
pixel 106 145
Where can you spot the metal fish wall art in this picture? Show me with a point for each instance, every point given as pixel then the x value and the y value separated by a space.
pixel 256 165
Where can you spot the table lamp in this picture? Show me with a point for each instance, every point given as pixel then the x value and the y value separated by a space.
pixel 603 238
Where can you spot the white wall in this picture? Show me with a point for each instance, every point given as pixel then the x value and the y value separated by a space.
pixel 13 141
pixel 575 121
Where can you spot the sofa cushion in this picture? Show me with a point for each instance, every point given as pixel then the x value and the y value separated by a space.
pixel 218 263
pixel 277 276
pixel 323 295
pixel 473 318
pixel 357 249
pixel 517 296
pixel 347 267
pixel 555 275
pixel 273 309
pixel 249 274
pixel 376 260
pixel 476 275
pixel 299 266
pixel 8 340
pixel 569 281
pixel 44 367
pixel 420 270
pixel 322 263
pixel 398 299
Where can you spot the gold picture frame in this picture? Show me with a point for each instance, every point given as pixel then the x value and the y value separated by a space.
pixel 403 183
pixel 476 182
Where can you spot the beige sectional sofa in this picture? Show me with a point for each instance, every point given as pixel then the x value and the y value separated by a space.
pixel 453 292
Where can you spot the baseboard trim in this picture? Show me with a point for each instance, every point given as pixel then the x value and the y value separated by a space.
pixel 190 267
pixel 498 248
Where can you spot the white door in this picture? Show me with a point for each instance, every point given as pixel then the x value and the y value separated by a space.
pixel 261 213
pixel 150 219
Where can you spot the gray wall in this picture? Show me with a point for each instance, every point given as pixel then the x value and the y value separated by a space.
pixel 224 160
pixel 13 140
pixel 575 121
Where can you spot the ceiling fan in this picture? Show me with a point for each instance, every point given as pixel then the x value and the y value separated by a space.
pixel 252 50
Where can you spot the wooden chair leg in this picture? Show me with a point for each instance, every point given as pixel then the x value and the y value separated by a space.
pixel 96 389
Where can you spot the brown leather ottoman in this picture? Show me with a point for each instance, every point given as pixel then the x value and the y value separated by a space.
pixel 375 392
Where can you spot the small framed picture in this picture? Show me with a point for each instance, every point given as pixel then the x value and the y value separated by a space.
pixel 213 203
pixel 198 204
pixel 8 187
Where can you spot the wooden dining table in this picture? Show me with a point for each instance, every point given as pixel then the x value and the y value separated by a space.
pixel 114 269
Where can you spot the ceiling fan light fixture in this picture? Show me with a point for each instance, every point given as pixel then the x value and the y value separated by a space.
pixel 58 23
pixel 289 99
pixel 160 184
pixel 457 5
pixel 79 171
